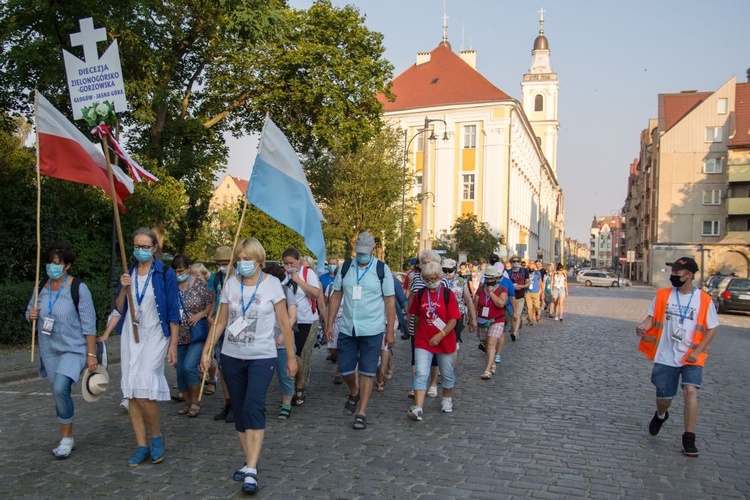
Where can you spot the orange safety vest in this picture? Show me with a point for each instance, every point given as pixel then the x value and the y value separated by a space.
pixel 650 341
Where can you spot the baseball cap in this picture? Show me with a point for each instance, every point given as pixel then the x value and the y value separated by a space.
pixel 365 243
pixel 686 263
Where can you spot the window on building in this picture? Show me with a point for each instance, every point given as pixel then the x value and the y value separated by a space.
pixel 722 106
pixel 470 136
pixel 419 183
pixel 539 103
pixel 713 134
pixel 420 142
pixel 468 187
pixel 710 228
pixel 713 165
pixel 712 196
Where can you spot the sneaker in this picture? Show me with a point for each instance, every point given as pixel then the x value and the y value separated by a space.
pixel 447 405
pixel 688 445
pixel 410 395
pixel 415 413
pixel 125 405
pixel 497 358
pixel 222 415
pixel 513 337
pixel 432 392
pixel 230 416
pixel 654 425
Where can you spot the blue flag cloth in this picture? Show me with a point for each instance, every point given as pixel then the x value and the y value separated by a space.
pixel 278 186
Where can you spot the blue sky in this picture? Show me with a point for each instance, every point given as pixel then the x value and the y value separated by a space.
pixel 612 60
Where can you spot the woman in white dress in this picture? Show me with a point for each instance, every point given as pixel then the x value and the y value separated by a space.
pixel 153 287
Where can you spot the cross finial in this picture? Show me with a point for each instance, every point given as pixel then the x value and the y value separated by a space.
pixel 88 37
pixel 541 21
pixel 445 24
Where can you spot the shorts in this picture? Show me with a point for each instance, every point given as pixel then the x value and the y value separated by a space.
pixel 334 344
pixel 518 308
pixel 558 292
pixel 665 378
pixel 434 358
pixel 495 330
pixel 359 353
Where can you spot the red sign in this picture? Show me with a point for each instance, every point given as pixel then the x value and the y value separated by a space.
pixel 623 260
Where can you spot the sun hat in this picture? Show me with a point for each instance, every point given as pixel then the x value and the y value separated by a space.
pixel 94 384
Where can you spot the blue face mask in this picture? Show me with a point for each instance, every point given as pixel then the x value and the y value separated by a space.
pixel 332 268
pixel 246 267
pixel 364 258
pixel 55 271
pixel 181 278
pixel 142 255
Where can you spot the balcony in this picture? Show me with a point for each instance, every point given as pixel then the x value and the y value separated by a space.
pixel 739 173
pixel 738 206
pixel 739 234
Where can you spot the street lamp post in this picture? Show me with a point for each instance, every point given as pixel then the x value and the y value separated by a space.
pixel 407 144
pixel 424 238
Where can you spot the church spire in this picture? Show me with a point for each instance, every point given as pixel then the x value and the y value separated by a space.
pixel 541 21
pixel 541 42
pixel 445 26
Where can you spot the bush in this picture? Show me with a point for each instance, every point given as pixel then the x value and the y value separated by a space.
pixel 16 331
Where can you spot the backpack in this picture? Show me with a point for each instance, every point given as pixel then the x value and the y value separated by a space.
pixel 75 291
pixel 313 302
pixel 446 296
pixel 379 268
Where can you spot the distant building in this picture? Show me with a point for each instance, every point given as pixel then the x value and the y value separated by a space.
pixel 688 191
pixel 607 242
pixel 229 190
pixel 500 159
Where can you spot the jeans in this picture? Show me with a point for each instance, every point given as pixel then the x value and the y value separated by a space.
pixel 286 383
pixel 188 358
pixel 422 360
pixel 63 402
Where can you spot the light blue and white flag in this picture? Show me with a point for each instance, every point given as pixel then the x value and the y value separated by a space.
pixel 278 186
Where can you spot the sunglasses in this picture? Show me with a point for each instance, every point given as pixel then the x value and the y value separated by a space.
pixel 449 270
pixel 515 261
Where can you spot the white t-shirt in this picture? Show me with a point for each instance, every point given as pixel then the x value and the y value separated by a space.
pixel 305 314
pixel 678 333
pixel 256 340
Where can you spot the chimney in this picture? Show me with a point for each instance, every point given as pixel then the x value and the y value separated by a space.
pixel 423 57
pixel 469 57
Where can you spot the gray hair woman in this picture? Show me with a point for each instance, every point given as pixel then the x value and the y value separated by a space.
pixel 67 336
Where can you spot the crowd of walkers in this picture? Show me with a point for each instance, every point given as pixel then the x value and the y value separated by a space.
pixel 239 326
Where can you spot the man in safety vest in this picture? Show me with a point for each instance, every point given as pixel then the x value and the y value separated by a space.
pixel 680 325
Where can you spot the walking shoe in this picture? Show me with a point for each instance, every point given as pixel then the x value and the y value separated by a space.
pixel 415 413
pixel 688 445
pixel 447 405
pixel 158 447
pixel 513 337
pixel 410 395
pixel 125 405
pixel 223 413
pixel 432 393
pixel 230 416
pixel 497 358
pixel 66 446
pixel 142 454
pixel 654 425
pixel 482 347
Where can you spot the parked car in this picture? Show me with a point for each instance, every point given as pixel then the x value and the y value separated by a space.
pixel 601 278
pixel 732 294
pixel 712 282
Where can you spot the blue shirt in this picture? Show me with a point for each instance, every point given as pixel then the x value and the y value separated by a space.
pixel 166 294
pixel 325 280
pixel 535 284
pixel 365 316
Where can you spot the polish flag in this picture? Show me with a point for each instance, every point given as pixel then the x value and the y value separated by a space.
pixel 66 153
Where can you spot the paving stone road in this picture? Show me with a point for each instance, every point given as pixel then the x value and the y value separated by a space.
pixel 564 417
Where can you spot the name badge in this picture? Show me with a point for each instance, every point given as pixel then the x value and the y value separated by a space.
pixel 678 334
pixel 357 292
pixel 439 323
pixel 47 325
pixel 485 312
pixel 236 328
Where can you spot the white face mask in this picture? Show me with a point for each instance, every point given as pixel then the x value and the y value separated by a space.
pixel 223 269
pixel 433 286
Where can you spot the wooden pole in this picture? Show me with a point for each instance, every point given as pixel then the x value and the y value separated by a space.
pixel 38 236
pixel 116 213
pixel 212 337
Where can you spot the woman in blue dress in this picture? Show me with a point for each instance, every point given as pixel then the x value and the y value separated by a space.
pixel 66 328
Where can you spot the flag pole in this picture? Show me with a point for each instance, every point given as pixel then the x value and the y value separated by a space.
pixel 38 232
pixel 123 258
pixel 212 337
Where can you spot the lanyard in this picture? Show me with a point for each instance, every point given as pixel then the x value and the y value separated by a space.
pixel 139 296
pixel 486 296
pixel 182 296
pixel 242 293
pixel 430 305
pixel 683 314
pixel 51 303
pixel 359 278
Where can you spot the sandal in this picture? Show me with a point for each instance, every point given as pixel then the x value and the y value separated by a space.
pixel 351 404
pixel 195 410
pixel 381 386
pixel 178 397
pixel 184 410
pixel 207 391
pixel 486 375
pixel 360 422
pixel 493 368
pixel 285 411
pixel 250 483
pixel 299 397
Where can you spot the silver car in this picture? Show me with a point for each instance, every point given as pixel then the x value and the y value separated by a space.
pixel 600 278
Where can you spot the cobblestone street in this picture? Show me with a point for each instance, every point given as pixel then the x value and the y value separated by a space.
pixel 564 416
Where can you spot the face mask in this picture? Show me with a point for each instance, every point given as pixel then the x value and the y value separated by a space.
pixel 290 269
pixel 182 278
pixel 433 286
pixel 246 267
pixel 516 265
pixel 675 280
pixel 363 258
pixel 490 283
pixel 142 255
pixel 223 269
pixel 55 271
pixel 332 268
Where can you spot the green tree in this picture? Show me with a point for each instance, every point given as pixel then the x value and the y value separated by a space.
pixel 474 237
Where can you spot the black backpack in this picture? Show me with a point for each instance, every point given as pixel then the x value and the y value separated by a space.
pixel 75 291
pixel 379 268
pixel 446 296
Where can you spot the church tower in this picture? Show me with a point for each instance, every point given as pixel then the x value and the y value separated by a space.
pixel 539 91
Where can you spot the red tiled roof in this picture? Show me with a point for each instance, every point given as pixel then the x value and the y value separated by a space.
pixel 742 116
pixel 445 79
pixel 241 184
pixel 676 106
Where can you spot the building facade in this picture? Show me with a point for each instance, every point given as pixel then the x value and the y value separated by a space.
pixel 229 190
pixel 498 162
pixel 607 242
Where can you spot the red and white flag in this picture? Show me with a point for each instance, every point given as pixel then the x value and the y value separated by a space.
pixel 66 153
